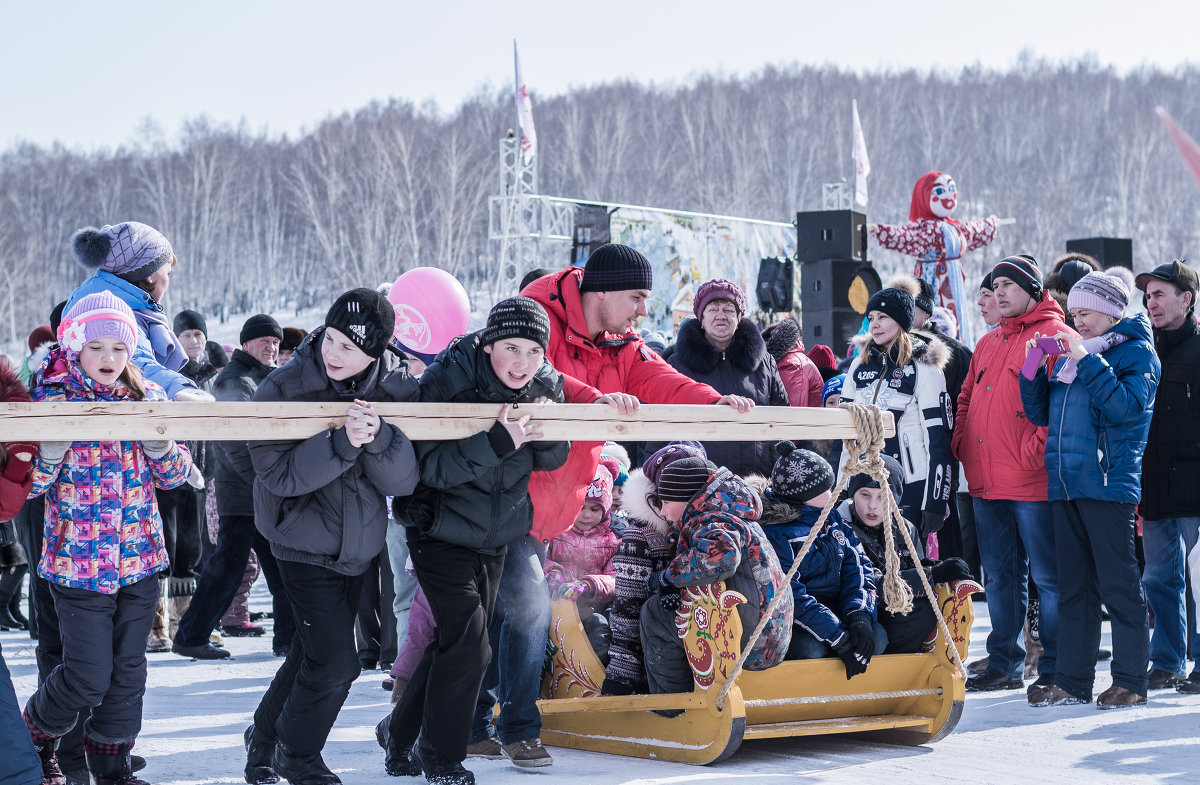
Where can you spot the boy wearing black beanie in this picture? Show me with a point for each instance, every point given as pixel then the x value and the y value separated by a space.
pixel 472 501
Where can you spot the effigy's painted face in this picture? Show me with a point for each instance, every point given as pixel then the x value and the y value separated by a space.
pixel 944 196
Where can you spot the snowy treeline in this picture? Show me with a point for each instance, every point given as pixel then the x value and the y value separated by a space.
pixel 259 223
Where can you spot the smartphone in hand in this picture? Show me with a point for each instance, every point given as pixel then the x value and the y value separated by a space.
pixel 1053 345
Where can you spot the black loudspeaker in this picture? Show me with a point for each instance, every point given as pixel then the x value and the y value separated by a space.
pixel 1108 251
pixel 831 234
pixel 776 285
pixel 591 231
pixel 833 299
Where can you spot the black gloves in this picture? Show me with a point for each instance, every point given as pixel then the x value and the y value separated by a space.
pixel 613 686
pixel 856 645
pixel 931 523
pixel 668 593
pixel 952 569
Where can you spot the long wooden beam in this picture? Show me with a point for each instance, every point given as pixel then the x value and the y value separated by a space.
pixel 420 421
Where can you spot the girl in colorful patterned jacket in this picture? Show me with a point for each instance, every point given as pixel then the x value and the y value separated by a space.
pixel 579 562
pixel 103 544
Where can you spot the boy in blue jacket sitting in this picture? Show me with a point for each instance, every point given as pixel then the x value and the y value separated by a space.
pixel 834 589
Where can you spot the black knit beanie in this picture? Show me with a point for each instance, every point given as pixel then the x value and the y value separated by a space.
pixel 799 475
pixel 895 479
pixel 517 317
pixel 1023 271
pixel 897 304
pixel 189 320
pixel 925 297
pixel 614 268
pixel 986 283
pixel 782 338
pixel 260 325
pixel 365 317
pixel 682 480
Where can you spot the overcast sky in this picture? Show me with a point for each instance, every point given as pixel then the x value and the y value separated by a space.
pixel 89 74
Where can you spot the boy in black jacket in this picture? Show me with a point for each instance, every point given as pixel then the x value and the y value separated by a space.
pixel 320 502
pixel 471 502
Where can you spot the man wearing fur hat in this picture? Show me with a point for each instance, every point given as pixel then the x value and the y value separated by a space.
pixel 1003 456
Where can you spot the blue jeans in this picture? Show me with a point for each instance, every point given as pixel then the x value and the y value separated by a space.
pixel 518 632
pixel 404 584
pixel 1016 538
pixel 1166 544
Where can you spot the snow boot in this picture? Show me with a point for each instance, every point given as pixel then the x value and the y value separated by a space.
pixel 158 641
pixel 46 747
pixel 439 770
pixel 301 769
pixel 179 606
pixel 10 597
pixel 258 759
pixel 398 761
pixel 110 763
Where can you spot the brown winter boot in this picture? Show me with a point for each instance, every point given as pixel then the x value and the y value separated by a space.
pixel 158 639
pixel 179 606
pixel 1118 698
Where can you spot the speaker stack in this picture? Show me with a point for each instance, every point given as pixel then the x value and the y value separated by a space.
pixel 836 279
pixel 1108 251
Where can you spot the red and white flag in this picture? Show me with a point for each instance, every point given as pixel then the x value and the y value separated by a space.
pixel 524 113
pixel 1186 145
pixel 862 164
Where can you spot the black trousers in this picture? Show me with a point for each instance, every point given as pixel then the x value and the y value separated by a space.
pixel 303 701
pixel 1097 563
pixel 223 575
pixel 439 703
pixel 182 511
pixel 103 662
pixel 375 631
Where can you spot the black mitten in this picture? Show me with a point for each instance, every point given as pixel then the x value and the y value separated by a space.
pixel 669 598
pixel 948 570
pixel 613 686
pixel 931 523
pixel 856 645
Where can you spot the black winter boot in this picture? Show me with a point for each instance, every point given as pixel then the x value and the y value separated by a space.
pixel 439 770
pixel 110 763
pixel 397 760
pixel 258 759
pixel 10 597
pixel 302 769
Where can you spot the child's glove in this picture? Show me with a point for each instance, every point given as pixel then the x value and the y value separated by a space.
pixel 931 523
pixel 614 686
pixel 668 593
pixel 157 450
pixel 17 449
pixel 856 645
pixel 196 478
pixel 194 396
pixel 576 590
pixel 54 452
pixel 949 570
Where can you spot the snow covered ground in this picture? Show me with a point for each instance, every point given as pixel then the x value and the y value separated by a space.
pixel 195 713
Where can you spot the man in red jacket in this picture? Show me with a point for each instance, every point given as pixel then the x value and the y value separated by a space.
pixel 1003 456
pixel 592 342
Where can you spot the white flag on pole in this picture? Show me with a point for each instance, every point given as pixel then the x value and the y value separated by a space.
pixel 862 164
pixel 524 113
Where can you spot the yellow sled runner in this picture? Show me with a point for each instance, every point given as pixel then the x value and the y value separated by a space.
pixel 903 698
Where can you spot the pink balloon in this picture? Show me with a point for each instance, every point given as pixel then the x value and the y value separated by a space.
pixel 432 309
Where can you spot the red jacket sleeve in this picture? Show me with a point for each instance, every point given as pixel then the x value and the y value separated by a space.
pixel 575 391
pixel 15 482
pixel 651 379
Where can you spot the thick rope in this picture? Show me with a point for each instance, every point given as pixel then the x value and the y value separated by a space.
pixel 864 456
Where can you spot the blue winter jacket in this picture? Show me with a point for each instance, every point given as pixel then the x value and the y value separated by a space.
pixel 835 580
pixel 158 356
pixel 1098 423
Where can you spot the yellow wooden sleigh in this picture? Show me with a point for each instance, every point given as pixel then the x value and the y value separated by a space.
pixel 902 698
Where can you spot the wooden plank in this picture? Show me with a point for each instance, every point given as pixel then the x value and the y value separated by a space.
pixel 670 700
pixel 420 421
pixel 778 730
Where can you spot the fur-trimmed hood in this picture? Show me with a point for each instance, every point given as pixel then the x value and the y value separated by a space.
pixel 746 352
pixel 774 511
pixel 927 349
pixel 635 502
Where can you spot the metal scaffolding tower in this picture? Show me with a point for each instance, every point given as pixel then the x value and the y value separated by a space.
pixel 528 229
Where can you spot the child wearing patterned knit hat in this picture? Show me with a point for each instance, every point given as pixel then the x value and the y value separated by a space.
pixel 104 545
pixel 834 590
pixel 617 520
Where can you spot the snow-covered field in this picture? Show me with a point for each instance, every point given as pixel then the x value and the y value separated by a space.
pixel 195 713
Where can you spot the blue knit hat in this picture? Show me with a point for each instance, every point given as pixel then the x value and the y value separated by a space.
pixel 832 387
